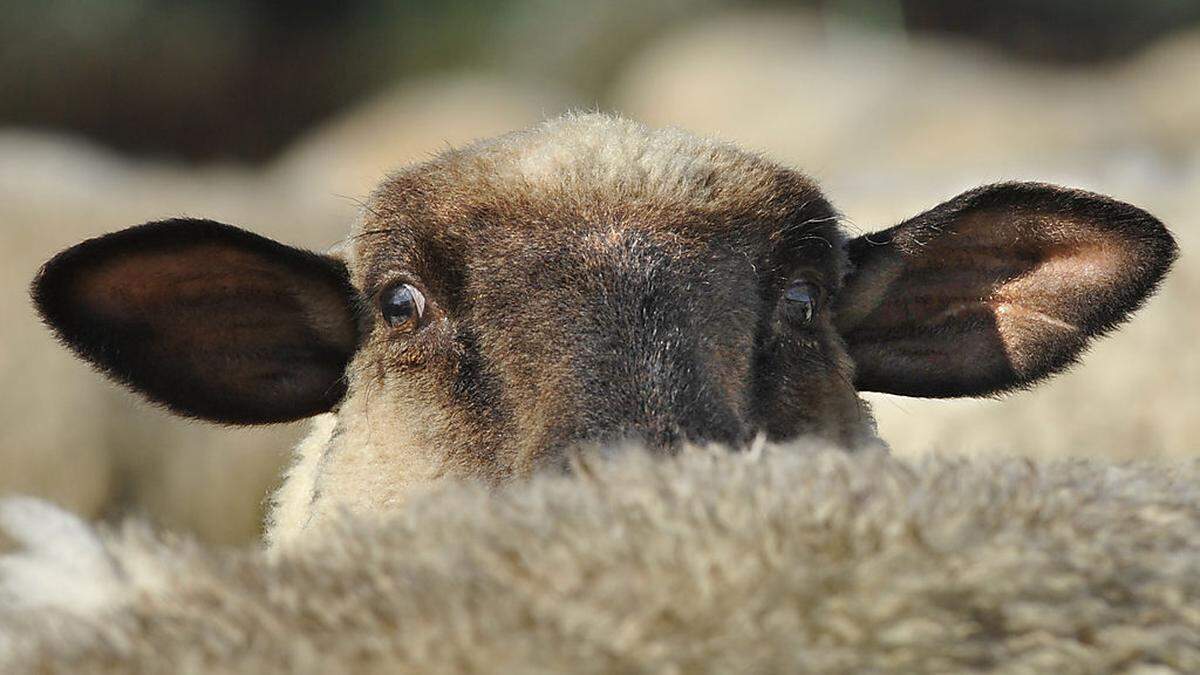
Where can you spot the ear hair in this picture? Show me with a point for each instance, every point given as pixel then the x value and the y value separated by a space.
pixel 207 319
pixel 996 289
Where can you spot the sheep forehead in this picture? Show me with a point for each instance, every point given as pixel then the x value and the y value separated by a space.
pixel 614 157
pixel 596 164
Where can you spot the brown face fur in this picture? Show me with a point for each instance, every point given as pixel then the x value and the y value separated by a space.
pixel 586 282
pixel 559 314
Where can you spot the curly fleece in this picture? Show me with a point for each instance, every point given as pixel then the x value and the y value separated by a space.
pixel 775 560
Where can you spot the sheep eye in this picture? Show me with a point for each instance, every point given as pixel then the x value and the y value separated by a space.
pixel 802 300
pixel 402 306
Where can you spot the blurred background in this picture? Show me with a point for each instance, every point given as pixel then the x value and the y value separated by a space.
pixel 278 117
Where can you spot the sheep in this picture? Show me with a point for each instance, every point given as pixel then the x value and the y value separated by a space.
pixel 583 282
pixel 780 559
pixel 85 443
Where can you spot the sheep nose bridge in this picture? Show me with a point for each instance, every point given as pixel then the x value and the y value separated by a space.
pixel 657 389
pixel 644 369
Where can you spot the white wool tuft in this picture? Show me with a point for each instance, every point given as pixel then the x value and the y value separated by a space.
pixel 62 563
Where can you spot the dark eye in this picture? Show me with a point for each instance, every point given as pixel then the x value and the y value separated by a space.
pixel 802 299
pixel 402 306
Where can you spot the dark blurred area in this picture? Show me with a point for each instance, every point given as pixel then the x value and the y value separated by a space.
pixel 226 80
pixel 1063 31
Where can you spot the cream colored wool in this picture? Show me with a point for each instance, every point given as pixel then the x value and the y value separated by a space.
pixel 775 560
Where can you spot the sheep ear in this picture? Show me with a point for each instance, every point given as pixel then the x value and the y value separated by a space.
pixel 209 320
pixel 995 289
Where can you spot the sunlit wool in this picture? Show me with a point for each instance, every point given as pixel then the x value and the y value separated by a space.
pixel 773 560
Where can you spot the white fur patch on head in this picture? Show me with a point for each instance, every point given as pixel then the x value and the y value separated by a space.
pixel 619 156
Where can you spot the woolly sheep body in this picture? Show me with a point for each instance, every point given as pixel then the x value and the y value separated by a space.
pixel 770 561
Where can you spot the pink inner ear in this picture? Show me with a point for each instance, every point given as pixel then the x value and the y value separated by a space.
pixel 988 291
pixel 996 288
pixel 1042 265
pixel 1059 296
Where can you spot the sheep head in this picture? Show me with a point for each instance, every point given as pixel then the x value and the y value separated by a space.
pixel 590 280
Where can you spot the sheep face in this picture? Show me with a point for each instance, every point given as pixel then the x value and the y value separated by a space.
pixel 587 281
